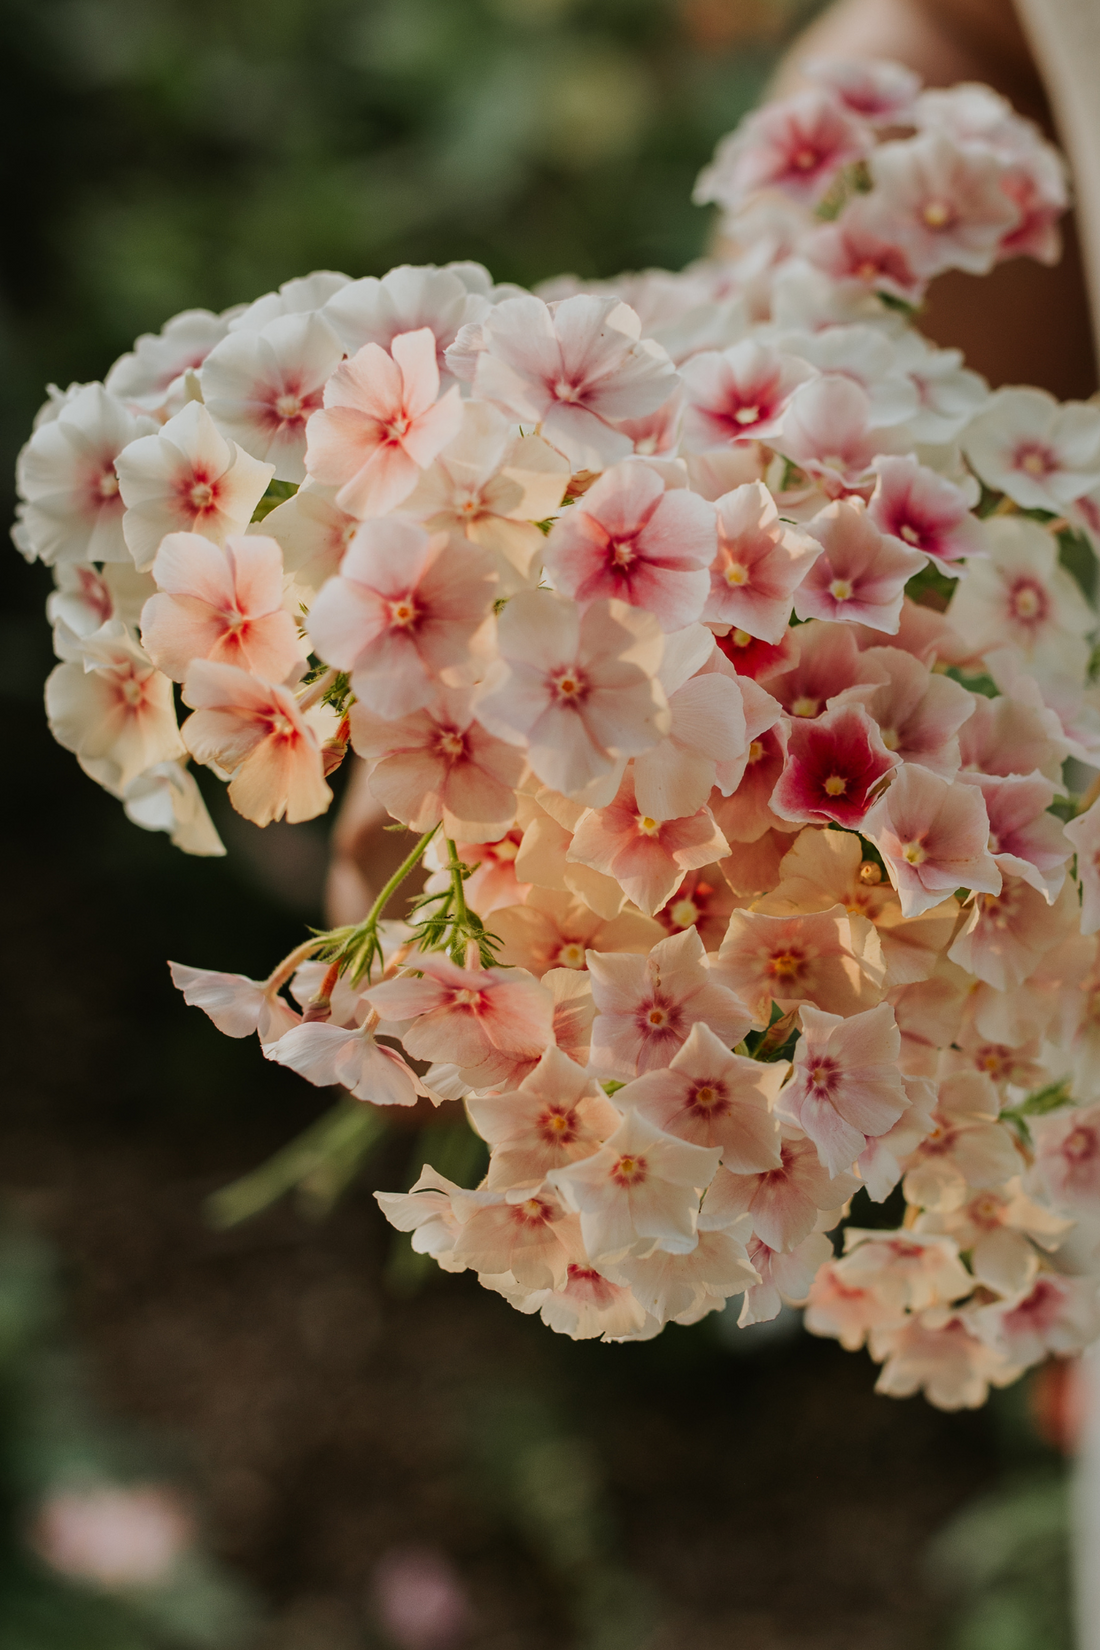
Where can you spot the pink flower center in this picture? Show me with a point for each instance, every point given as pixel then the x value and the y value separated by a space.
pixel 1034 460
pixel 629 1171
pixel 569 686
pixel 1028 601
pixel 1080 1144
pixel 823 1074
pixel 805 159
pixel 937 214
pixel 711 1098
pixel 683 913
pixel 785 967
pixel 557 1125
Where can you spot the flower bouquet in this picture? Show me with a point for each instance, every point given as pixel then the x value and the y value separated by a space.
pixel 726 649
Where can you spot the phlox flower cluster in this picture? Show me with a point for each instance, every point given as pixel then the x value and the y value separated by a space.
pixel 728 651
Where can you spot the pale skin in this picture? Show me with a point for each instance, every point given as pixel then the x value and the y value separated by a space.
pixel 1023 324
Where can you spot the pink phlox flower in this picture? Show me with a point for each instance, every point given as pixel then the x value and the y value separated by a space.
pixel 409 298
pixel 798 146
pixel 150 377
pixel 327 1054
pixel 426 1211
pixel 683 1288
pixel 929 1013
pixel 746 815
pixel 1000 1230
pixel 919 712
pixel 526 1232
pixel 1007 935
pixel 261 387
pixel 834 767
pixel 1055 1314
pixel 784 1200
pixel 932 835
pixel 860 575
pixel 314 536
pixel 829 664
pixel 926 512
pixel 403 614
pixel 827 958
pixel 1025 840
pixel 577 689
pixel 785 1279
pixel 84 597
pixel 255 731
pixel 827 432
pixel 1084 834
pixel 1067 1157
pixel 646 1006
pixel 761 561
pixel 739 394
pixel 165 797
pixel 944 202
pixel 440 765
pixel 1010 735
pixel 826 868
pixel 647 857
pixel 966 1150
pixel 554 929
pixel 757 659
pixel 693 309
pixel 222 602
pixel 629 539
pixel 382 424
pixel 492 487
pixel 491 1022
pixel 942 1359
pixel 109 706
pixel 641 1188
pixel 1043 453
pixel 707 741
pixel 703 901
pixel 1036 182
pixel 187 479
pixel 237 1005
pixel 71 509
pixel 846 1311
pixel 713 1098
pixel 855 248
pixel 571 370
pixel 557 1115
pixel 846 1086
pixel 574 1012
pixel 877 90
pixel 345 1002
pixel 866 356
pixel 301 295
pixel 588 1306
pixel 921 631
pixel 879 1164
pixel 949 394
pixel 911 1270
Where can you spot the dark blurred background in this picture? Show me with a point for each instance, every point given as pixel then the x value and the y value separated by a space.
pixel 366 1438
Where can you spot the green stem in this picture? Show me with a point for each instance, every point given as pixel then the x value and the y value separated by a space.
pixel 332 1148
pixel 363 933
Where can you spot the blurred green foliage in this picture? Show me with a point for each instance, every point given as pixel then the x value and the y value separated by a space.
pixel 167 153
